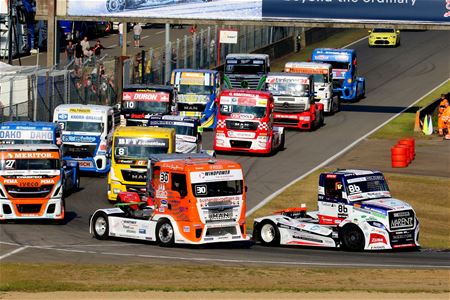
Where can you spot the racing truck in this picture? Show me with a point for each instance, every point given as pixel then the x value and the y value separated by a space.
pixel 34 181
pixel 27 132
pixel 245 123
pixel 139 102
pixel 86 134
pixel 356 212
pixel 246 71
pixel 295 104
pixel 132 145
pixel 187 132
pixel 196 94
pixel 346 84
pixel 189 198
pixel 323 82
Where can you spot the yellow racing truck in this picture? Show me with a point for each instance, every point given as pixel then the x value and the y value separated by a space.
pixel 131 147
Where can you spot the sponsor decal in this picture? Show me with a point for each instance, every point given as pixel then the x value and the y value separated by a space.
pixel 63 117
pixel 143 142
pixel 80 110
pixel 186 229
pixel 43 135
pixel 377 238
pixel 297 80
pixel 142 231
pixel 304 70
pixel 79 139
pixel 242 116
pixel 30 155
pixel 146 96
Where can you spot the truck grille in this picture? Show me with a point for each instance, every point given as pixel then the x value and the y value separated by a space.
pixel 240 144
pixel 134 175
pixel 197 107
pixel 221 231
pixel 79 151
pixel 289 107
pixel 401 220
pixel 402 237
pixel 287 122
pixel 247 82
pixel 28 208
pixel 29 192
pixel 238 125
pixel 338 83
pixel 140 189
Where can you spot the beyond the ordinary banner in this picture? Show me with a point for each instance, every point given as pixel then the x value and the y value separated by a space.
pixel 410 11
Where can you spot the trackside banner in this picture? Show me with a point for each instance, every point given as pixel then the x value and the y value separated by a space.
pixel 345 11
pixel 411 11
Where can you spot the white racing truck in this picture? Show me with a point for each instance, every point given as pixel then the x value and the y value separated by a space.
pixel 323 82
pixel 356 212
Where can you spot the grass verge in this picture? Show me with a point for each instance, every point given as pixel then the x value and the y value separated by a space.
pixel 403 125
pixel 172 278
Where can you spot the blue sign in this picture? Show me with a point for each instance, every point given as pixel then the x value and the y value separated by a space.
pixel 79 139
pixel 414 11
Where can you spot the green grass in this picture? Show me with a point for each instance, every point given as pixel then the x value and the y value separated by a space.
pixel 189 277
pixel 403 125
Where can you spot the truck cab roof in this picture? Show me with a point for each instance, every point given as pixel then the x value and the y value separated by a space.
pixel 354 172
pixel 140 131
pixel 247 56
pixel 307 65
pixel 246 92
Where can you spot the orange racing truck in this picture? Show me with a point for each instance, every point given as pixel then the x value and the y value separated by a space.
pixel 33 182
pixel 190 199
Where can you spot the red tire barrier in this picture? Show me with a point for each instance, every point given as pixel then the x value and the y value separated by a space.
pixel 399 156
pixel 408 151
pixel 411 143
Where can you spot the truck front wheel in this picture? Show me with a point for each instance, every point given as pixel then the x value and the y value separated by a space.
pixel 352 238
pixel 269 234
pixel 101 226
pixel 164 233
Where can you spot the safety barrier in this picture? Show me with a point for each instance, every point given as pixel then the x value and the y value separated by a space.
pixel 403 153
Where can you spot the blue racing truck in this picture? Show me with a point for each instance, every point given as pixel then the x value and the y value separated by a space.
pixel 28 132
pixel 197 92
pixel 345 82
pixel 87 134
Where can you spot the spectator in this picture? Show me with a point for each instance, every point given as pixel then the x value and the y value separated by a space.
pixel 97 49
pixel 78 54
pixel 86 48
pixel 442 106
pixel 70 51
pixel 193 29
pixel 446 123
pixel 137 30
pixel 212 48
pixel 173 58
pixel 120 34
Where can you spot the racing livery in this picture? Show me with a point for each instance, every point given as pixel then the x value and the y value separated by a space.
pixel 356 212
pixel 139 102
pixel 27 132
pixel 323 82
pixel 294 100
pixel 34 181
pixel 246 71
pixel 196 94
pixel 86 134
pixel 245 123
pixel 189 199
pixel 346 84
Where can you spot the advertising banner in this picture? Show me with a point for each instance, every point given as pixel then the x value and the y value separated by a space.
pixel 3 7
pixel 410 11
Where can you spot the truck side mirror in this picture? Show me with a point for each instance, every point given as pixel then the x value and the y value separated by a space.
pixel 246 188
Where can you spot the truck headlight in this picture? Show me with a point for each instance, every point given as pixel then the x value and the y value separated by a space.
pixel 376 224
pixel 116 191
pixel 349 80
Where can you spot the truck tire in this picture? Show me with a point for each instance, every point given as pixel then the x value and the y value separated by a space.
pixel 282 142
pixel 269 235
pixel 100 226
pixel 352 238
pixel 165 234
pixel 115 5
pixel 76 185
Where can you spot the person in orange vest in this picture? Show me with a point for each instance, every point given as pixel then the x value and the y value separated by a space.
pixel 446 122
pixel 442 106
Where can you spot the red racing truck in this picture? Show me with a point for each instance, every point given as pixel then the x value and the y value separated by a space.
pixel 245 123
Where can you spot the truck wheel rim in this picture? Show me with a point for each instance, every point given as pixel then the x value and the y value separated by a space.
pixel 354 239
pixel 100 226
pixel 165 233
pixel 267 233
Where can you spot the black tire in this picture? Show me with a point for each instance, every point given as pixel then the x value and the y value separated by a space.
pixel 76 185
pixel 115 5
pixel 338 105
pixel 352 238
pixel 269 235
pixel 165 235
pixel 100 226
pixel 283 142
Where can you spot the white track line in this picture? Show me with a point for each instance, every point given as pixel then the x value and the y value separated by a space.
pixel 279 191
pixel 13 252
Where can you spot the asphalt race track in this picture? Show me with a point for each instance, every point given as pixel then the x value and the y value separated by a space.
pixel 395 78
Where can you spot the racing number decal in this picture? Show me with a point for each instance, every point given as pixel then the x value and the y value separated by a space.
pixel 122 151
pixel 227 108
pixel 353 188
pixel 129 104
pixel 164 177
pixel 9 164
pixel 200 189
pixel 342 211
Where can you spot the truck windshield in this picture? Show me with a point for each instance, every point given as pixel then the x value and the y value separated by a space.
pixel 257 112
pixel 138 148
pixel 339 65
pixel 291 89
pixel 146 106
pixel 82 126
pixel 30 164
pixel 195 89
pixel 244 69
pixel 180 129
pixel 320 78
pixel 368 187
pixel 218 188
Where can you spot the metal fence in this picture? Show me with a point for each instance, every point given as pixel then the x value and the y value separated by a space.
pixel 198 51
pixel 34 95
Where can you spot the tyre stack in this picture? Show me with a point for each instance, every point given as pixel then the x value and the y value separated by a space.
pixel 403 153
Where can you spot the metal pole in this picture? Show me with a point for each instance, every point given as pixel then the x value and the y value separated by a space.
pixel 51 29
pixel 11 91
pixel 124 38
pixel 10 32
pixel 168 54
